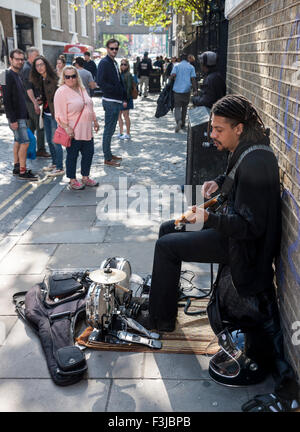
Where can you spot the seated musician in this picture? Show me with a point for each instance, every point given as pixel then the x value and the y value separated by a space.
pixel 246 237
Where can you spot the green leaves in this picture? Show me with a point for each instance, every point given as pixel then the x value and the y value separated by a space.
pixel 147 12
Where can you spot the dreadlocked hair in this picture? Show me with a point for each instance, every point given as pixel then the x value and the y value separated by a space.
pixel 238 109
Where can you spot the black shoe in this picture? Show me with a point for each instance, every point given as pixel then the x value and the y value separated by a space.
pixel 28 175
pixel 16 170
pixel 161 326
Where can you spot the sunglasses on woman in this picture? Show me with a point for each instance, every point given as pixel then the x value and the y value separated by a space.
pixel 70 76
pixel 123 64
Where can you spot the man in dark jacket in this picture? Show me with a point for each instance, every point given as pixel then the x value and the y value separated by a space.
pixel 114 98
pixel 17 114
pixel 246 237
pixel 213 87
pixel 144 69
pixel 89 64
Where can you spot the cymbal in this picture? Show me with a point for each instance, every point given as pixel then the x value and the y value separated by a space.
pixel 107 276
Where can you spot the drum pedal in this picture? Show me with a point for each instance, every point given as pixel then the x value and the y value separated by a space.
pixel 134 338
pixel 138 327
pixel 94 336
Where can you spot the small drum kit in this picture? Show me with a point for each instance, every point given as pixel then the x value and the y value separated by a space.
pixel 110 306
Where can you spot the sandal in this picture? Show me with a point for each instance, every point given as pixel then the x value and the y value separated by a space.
pixel 76 185
pixel 90 182
pixel 270 403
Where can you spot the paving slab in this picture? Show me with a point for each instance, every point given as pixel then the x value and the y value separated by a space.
pixel 113 364
pixel 26 259
pixel 10 284
pixel 174 396
pixel 140 255
pixel 42 395
pixel 21 355
pixel 175 366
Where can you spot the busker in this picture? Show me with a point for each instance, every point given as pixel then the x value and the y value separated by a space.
pixel 114 98
pixel 213 87
pixel 245 236
pixel 17 114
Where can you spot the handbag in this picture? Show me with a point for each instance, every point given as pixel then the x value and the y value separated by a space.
pixel 41 119
pixel 134 91
pixel 60 135
pixel 31 151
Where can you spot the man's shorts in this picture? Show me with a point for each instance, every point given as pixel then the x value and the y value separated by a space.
pixel 21 134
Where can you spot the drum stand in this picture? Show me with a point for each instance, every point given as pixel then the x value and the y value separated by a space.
pixel 111 325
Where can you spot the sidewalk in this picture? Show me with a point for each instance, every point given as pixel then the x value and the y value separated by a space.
pixel 63 232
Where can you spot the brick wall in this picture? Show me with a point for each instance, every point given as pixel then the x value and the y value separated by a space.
pixel 263 51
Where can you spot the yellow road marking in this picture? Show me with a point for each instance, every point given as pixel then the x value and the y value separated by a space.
pixel 20 200
pixel 17 192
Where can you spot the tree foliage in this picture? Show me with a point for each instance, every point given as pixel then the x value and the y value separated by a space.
pixel 148 12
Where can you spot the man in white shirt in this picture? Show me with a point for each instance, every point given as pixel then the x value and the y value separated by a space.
pixel 185 76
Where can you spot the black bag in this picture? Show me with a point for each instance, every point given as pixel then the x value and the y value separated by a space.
pixel 52 309
pixel 227 309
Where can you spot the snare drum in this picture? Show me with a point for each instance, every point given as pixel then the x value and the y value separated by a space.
pixel 100 302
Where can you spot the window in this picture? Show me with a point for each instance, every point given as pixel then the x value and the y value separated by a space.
pixel 83 18
pixel 55 14
pixel 109 21
pixel 72 17
pixel 125 18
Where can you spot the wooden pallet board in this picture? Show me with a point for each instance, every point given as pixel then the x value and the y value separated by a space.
pixel 192 335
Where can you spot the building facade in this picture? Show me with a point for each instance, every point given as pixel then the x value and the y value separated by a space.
pixel 263 65
pixel 62 24
pixel 20 25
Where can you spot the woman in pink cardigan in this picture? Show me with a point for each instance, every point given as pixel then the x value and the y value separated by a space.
pixel 71 102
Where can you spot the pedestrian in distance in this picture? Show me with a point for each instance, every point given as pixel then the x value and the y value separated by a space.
pixel 17 114
pixel 33 103
pixel 85 75
pixel 135 70
pixel 74 111
pixel 60 64
pixel 114 98
pixel 89 64
pixel 184 76
pixel 213 87
pixel 45 79
pixel 144 69
pixel 128 82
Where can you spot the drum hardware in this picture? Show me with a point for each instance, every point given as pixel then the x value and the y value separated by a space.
pixel 110 309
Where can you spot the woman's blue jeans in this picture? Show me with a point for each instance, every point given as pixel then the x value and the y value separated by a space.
pixel 86 148
pixel 56 150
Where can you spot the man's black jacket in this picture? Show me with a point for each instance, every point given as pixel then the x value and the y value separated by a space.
pixel 213 89
pixel 165 101
pixel 109 82
pixel 252 223
pixel 11 98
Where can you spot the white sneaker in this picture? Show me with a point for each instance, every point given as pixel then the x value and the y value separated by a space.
pixel 56 172
pixel 126 136
pixel 49 168
pixel 120 136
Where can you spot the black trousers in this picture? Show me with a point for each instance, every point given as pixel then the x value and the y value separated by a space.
pixel 173 247
pixel 263 344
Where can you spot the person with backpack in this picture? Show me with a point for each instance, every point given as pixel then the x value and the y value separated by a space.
pixel 17 114
pixel 144 69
